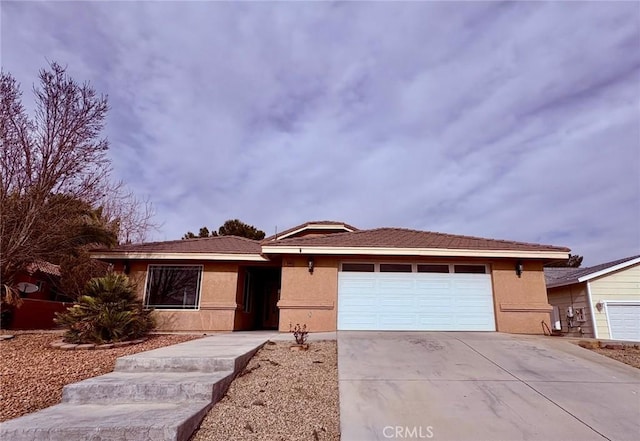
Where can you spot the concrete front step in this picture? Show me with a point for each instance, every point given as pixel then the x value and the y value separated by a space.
pixel 174 364
pixel 132 387
pixel 181 359
pixel 140 401
pixel 113 422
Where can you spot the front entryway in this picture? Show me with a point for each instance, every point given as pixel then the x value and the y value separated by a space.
pixel 260 294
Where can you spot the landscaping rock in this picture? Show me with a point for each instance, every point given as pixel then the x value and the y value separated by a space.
pixel 33 373
pixel 589 344
pixel 298 399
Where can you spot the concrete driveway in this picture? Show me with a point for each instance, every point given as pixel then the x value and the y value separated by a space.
pixel 482 386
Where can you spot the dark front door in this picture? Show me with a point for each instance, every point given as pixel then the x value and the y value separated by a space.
pixel 264 289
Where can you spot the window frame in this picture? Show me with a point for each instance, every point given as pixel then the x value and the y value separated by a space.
pixel 145 298
pixel 358 263
pixel 246 293
pixel 447 265
pixel 479 265
pixel 411 265
pixel 414 267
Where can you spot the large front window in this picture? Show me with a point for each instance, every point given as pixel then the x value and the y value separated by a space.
pixel 173 287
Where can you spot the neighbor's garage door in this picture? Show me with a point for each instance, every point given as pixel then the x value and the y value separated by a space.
pixel 624 321
pixel 415 301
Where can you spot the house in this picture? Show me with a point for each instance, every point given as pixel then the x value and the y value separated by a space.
pixel 331 275
pixel 601 301
pixel 41 300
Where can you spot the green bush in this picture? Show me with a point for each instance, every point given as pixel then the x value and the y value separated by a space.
pixel 109 311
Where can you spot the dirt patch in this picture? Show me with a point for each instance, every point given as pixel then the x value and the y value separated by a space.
pixel 32 374
pixel 281 395
pixel 628 355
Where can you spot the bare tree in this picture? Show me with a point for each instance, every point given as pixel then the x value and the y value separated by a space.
pixel 55 187
pixel 133 215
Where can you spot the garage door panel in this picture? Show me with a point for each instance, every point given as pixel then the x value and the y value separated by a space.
pixel 397 301
pixel 433 319
pixel 358 321
pixel 624 321
pixel 358 285
pixel 432 284
pixel 415 301
pixel 397 319
pixel 396 285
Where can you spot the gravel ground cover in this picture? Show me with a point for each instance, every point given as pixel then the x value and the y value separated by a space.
pixel 32 373
pixel 629 355
pixel 281 395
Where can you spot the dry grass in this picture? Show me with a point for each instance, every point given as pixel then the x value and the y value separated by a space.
pixel 32 374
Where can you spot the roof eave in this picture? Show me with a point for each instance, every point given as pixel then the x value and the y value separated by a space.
pixel 564 283
pixel 124 255
pixel 609 270
pixel 435 252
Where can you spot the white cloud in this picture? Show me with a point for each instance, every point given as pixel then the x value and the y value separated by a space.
pixel 509 120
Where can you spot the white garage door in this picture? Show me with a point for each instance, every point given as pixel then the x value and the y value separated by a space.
pixel 415 302
pixel 624 321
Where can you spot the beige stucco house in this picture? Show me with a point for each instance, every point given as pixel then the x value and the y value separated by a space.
pixel 333 276
pixel 601 301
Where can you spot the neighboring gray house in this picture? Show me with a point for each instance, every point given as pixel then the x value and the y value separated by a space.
pixel 601 301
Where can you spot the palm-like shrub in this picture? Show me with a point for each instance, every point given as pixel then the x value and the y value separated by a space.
pixel 109 311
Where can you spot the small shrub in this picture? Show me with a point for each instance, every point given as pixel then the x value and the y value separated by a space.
pixel 300 333
pixel 109 311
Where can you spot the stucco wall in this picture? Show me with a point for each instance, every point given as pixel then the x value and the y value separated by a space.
pixel 217 297
pixel 575 296
pixel 521 303
pixel 309 298
pixel 622 285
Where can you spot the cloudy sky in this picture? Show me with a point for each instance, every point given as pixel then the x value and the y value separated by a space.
pixel 506 120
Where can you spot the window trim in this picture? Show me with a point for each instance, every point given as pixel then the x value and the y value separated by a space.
pixel 359 263
pixel 453 268
pixel 145 305
pixel 448 265
pixel 414 266
pixel 411 265
pixel 246 293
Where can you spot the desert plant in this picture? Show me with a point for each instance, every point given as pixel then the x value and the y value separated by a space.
pixel 109 311
pixel 300 333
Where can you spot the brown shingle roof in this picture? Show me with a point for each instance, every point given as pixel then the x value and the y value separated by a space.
pixel 568 276
pixel 218 244
pixel 306 224
pixel 405 238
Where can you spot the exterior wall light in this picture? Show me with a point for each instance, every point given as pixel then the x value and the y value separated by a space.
pixel 519 268
pixel 311 264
